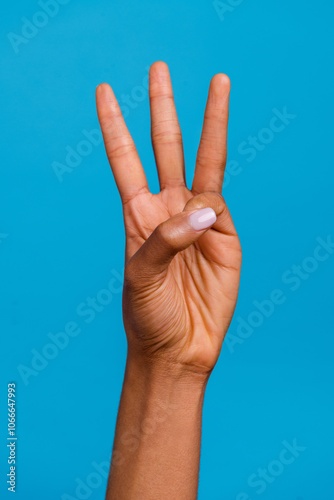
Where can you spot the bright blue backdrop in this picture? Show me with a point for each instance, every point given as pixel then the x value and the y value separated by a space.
pixel 61 237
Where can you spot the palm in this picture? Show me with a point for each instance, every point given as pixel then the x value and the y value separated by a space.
pixel 195 312
pixel 187 313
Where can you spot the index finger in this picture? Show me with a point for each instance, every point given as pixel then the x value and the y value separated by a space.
pixel 121 151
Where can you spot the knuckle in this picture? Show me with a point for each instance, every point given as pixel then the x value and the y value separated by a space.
pixel 161 93
pixel 163 136
pixel 107 117
pixel 164 235
pixel 211 199
pixel 160 233
pixel 214 160
pixel 118 148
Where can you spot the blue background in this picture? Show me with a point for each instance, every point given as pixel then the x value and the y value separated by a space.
pixel 60 241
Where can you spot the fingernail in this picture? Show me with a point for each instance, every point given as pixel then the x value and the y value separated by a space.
pixel 202 219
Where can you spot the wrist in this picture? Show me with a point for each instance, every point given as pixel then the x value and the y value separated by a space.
pixel 165 372
pixel 168 387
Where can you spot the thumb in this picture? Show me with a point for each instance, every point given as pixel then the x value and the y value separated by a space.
pixel 169 238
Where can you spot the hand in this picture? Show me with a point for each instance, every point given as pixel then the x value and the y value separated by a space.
pixel 181 282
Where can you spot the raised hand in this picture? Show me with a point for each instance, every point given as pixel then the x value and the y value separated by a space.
pixel 182 263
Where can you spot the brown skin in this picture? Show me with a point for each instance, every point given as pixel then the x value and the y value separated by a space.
pixel 180 287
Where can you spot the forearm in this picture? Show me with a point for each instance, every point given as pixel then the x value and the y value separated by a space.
pixel 158 434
